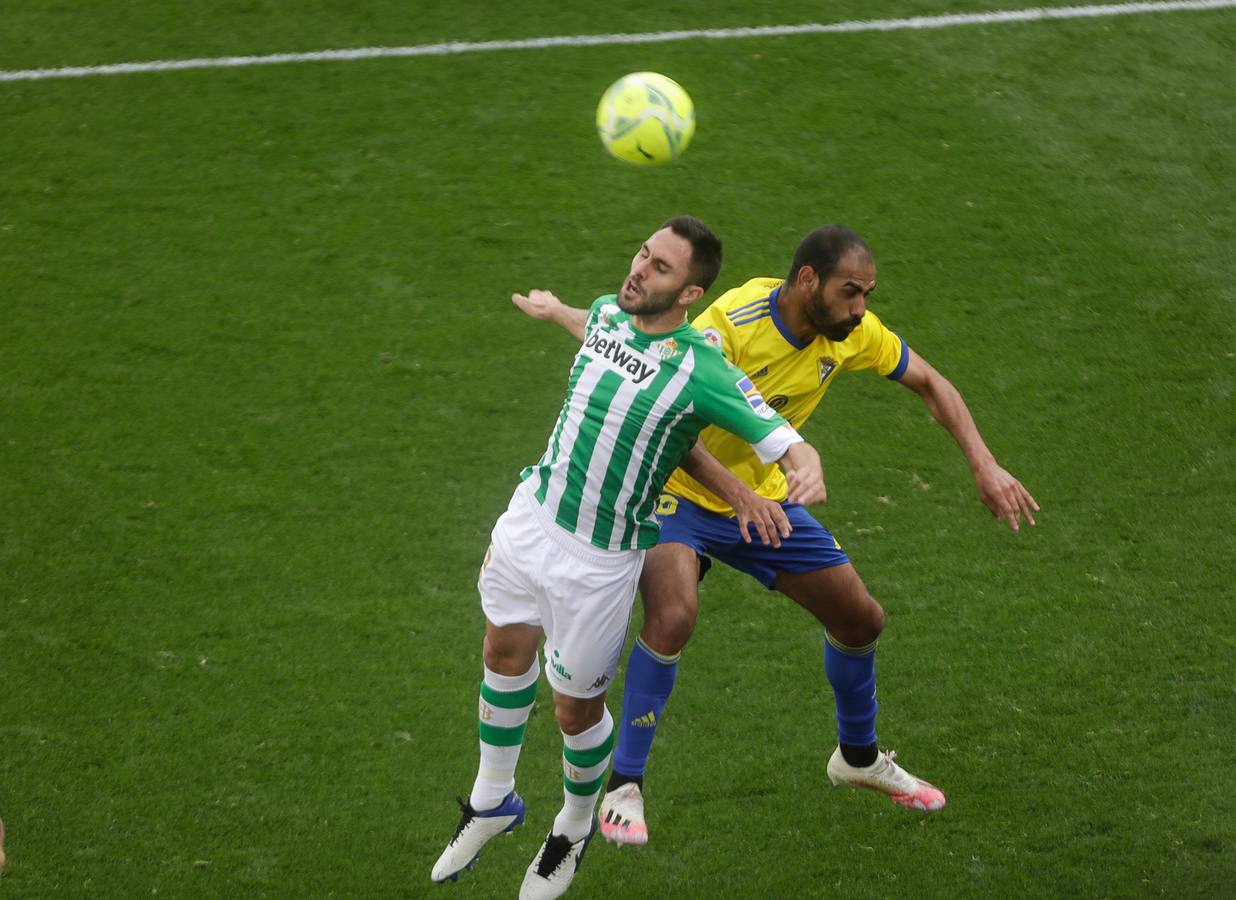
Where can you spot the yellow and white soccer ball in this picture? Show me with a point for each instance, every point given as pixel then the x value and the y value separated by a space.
pixel 646 119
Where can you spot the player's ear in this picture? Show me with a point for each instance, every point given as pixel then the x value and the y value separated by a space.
pixel 807 280
pixel 690 294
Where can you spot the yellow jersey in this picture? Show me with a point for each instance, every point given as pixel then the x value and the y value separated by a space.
pixel 791 375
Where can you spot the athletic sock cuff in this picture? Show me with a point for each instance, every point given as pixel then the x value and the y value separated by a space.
pixel 600 734
pixel 508 683
pixel 658 657
pixel 850 651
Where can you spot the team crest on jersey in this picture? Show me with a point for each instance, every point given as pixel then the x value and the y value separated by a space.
pixel 713 337
pixel 827 365
pixel 666 349
pixel 755 398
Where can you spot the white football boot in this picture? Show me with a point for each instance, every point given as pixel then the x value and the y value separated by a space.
pixel 622 816
pixel 554 867
pixel 474 831
pixel 886 776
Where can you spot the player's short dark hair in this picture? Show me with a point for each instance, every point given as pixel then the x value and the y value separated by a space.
pixel 823 248
pixel 705 248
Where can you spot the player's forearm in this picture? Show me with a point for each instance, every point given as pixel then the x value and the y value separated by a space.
pixel 708 471
pixel 950 410
pixel 573 320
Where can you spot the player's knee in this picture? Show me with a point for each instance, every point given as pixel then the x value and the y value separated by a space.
pixel 875 618
pixel 670 627
pixel 504 660
pixel 868 623
pixel 575 717
pixel 861 624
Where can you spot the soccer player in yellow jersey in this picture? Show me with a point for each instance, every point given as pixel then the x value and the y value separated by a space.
pixel 793 339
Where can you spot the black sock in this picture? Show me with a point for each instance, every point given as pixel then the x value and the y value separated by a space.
pixel 858 755
pixel 617 780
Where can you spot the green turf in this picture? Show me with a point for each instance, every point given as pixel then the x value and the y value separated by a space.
pixel 262 395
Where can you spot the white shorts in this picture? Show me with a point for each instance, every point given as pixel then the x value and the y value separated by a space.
pixel 538 573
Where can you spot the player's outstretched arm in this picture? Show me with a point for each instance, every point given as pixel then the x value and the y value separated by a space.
pixel 1000 491
pixel 545 306
pixel 750 509
pixel 804 474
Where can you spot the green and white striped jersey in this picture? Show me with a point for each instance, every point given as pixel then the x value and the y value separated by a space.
pixel 634 406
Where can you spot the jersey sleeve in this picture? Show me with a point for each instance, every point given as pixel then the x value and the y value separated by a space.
pixel 724 396
pixel 880 350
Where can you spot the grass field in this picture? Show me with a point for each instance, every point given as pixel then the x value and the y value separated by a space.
pixel 263 394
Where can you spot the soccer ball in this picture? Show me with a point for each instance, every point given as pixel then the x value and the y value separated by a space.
pixel 645 118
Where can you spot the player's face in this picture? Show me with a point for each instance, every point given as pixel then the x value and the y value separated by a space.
pixel 837 305
pixel 660 272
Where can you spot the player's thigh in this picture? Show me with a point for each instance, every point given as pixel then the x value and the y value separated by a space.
pixel 508 580
pixel 837 597
pixel 585 611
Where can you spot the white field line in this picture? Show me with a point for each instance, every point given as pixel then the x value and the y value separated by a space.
pixel 597 40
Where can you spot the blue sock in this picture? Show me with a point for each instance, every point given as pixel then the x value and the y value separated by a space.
pixel 851 672
pixel 647 688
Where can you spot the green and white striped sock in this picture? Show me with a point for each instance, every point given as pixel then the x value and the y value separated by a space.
pixel 506 701
pixel 585 758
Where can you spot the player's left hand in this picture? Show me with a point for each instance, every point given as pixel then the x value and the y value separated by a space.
pixel 765 516
pixel 1004 496
pixel 539 304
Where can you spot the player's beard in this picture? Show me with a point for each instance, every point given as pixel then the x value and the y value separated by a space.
pixel 817 314
pixel 648 303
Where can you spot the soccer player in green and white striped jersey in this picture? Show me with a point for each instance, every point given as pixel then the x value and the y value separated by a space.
pixel 565 557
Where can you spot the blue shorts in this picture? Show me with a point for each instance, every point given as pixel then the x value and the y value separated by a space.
pixel 810 545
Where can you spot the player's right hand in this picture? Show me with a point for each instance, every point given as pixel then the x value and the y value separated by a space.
pixel 1004 496
pixel 804 474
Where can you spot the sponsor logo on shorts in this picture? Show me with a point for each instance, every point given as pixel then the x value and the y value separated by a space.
pixel 558 667
pixel 600 682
